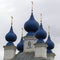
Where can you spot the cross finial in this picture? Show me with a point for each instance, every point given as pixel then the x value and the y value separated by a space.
pixel 32 7
pixel 22 32
pixel 11 20
pixel 48 30
pixel 41 17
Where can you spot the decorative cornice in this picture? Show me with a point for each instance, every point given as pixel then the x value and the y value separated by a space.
pixel 30 38
pixel 9 47
pixel 41 45
pixel 51 54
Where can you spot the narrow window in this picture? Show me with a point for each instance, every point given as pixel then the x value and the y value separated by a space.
pixel 29 44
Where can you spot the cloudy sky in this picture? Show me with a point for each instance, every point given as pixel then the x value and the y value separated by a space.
pixel 21 10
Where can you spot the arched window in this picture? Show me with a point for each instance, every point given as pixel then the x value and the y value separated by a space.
pixel 29 44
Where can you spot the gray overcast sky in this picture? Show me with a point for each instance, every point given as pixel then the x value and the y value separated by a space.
pixel 21 10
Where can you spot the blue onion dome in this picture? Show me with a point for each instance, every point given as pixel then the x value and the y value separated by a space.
pixel 49 43
pixel 11 36
pixel 41 33
pixel 31 25
pixel 20 45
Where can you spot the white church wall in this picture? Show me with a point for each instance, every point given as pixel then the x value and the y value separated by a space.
pixel 9 52
pixel 29 47
pixel 41 52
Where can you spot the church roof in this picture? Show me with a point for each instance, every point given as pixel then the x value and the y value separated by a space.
pixel 26 56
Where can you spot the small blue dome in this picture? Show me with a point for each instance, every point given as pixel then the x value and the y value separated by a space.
pixel 20 45
pixel 31 25
pixel 49 51
pixel 41 33
pixel 40 41
pixel 11 36
pixel 50 43
pixel 10 44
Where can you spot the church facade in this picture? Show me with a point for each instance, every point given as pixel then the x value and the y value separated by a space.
pixel 32 46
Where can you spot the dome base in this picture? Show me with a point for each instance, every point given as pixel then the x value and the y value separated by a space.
pixel 10 44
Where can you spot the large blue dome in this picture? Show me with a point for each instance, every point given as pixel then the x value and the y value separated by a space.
pixel 31 25
pixel 41 33
pixel 11 36
pixel 20 45
pixel 50 43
